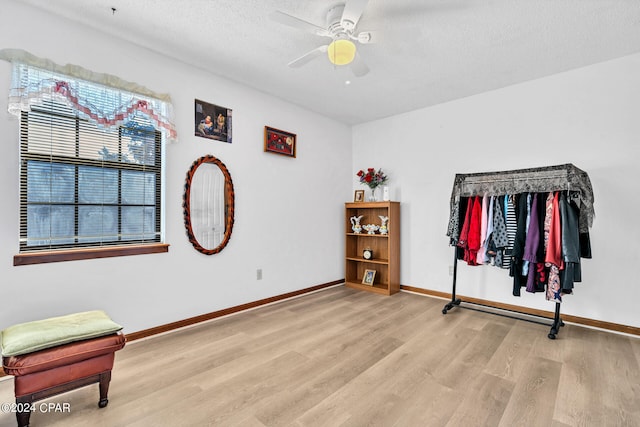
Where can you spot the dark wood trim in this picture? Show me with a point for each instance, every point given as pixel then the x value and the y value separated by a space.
pixel 208 316
pixel 89 253
pixel 632 330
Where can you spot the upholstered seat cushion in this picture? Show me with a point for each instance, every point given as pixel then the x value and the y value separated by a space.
pixel 63 355
pixel 38 335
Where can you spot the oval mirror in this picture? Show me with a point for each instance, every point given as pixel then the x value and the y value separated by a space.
pixel 208 204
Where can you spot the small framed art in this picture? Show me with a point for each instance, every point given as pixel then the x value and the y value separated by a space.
pixel 358 196
pixel 212 121
pixel 368 277
pixel 279 142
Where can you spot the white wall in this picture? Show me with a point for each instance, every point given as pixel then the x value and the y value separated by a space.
pixel 288 211
pixel 588 117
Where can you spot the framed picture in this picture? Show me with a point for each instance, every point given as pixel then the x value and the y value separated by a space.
pixel 368 277
pixel 212 121
pixel 279 142
pixel 358 196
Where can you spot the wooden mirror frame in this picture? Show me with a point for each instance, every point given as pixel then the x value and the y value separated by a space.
pixel 229 200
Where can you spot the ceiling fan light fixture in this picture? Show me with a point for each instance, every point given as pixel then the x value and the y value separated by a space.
pixel 341 51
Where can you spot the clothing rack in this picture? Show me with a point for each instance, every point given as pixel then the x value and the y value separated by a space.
pixel 455 302
pixel 533 180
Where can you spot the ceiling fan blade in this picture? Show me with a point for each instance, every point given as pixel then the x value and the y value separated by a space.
pixel 307 57
pixel 292 21
pixel 352 13
pixel 358 66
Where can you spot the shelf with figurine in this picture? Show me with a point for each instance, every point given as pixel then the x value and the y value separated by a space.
pixel 372 231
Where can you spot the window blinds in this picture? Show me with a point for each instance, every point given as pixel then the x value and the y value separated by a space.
pixel 91 164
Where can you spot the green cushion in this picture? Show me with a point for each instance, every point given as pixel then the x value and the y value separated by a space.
pixel 33 336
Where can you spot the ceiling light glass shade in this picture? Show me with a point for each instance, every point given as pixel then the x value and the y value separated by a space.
pixel 341 51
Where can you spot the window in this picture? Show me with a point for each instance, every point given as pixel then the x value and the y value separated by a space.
pixel 90 174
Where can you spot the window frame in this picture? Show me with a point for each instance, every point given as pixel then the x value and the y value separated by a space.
pixel 89 250
pixel 42 257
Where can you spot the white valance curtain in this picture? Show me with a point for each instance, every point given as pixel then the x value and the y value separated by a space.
pixel 38 79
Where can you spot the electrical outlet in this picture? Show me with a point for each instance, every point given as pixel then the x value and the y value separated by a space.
pixel 451 270
pixel 259 274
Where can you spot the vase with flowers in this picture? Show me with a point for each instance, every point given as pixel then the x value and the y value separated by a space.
pixel 372 179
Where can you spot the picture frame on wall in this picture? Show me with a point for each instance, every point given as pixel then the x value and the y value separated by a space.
pixel 213 121
pixel 368 277
pixel 279 142
pixel 358 196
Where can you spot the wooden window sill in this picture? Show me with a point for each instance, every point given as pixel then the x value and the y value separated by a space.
pixel 89 253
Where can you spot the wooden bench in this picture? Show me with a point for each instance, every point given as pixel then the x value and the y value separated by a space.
pixel 52 356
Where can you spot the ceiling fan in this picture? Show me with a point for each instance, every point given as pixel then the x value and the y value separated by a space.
pixel 341 22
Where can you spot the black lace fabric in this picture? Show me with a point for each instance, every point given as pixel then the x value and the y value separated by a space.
pixel 565 177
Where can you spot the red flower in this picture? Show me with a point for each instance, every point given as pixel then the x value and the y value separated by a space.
pixel 372 178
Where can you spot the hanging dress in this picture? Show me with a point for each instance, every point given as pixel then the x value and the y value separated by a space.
pixel 499 238
pixel 569 215
pixel 512 225
pixel 473 237
pixel 489 252
pixel 518 244
pixel 484 222
pixel 553 257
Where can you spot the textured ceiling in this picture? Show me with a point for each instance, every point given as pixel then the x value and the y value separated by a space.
pixel 428 51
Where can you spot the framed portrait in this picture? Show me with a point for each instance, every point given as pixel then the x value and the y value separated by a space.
pixel 358 196
pixel 279 142
pixel 368 277
pixel 212 121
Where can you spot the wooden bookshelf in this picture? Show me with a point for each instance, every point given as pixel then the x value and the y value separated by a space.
pixel 386 248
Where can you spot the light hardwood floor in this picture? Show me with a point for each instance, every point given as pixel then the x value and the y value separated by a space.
pixel 343 357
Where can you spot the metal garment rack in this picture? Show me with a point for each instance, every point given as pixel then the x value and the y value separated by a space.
pixel 545 179
pixel 455 302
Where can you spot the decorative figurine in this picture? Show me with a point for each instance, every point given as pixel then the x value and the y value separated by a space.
pixel 383 227
pixel 371 228
pixel 355 224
